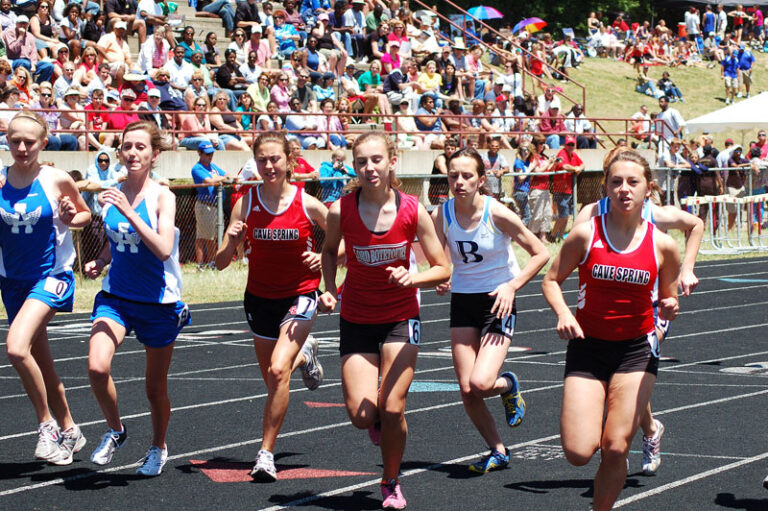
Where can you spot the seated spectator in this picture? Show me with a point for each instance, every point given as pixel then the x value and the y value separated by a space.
pixel 247 16
pixel 293 17
pixel 239 46
pixel 72 29
pixel 331 190
pixel 262 46
pixel 371 89
pixel 408 135
pixel 219 8
pixel 329 126
pixel 391 60
pixel 205 73
pixel 116 52
pixel 205 172
pixel 577 122
pixel 645 85
pixel 376 43
pixel 431 82
pixel 397 86
pixel 125 11
pixel 314 61
pixel 325 89
pixel 341 24
pixel 451 85
pixel 245 109
pixel 62 57
pixel 179 70
pixel 251 70
pixel 641 127
pixel 97 122
pixel 196 128
pixel 56 141
pixel 668 87
pixel 211 54
pixel 328 46
pixel 286 35
pixel 150 111
pixel 546 101
pixel 154 52
pixel 281 94
pixel 260 93
pixel 126 113
pixel 189 44
pixel 270 121
pixel 303 91
pixel 229 76
pixel 21 50
pixel 303 128
pixel 88 68
pixel 553 126
pixel 102 81
pixel 225 122
pixel 451 117
pixel 399 35
pixel 7 16
pixel 65 81
pixel 22 80
pixel 42 25
pixel 196 89
pixel 428 121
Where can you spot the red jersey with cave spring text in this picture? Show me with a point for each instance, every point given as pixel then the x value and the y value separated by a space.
pixel 367 296
pixel 616 288
pixel 277 241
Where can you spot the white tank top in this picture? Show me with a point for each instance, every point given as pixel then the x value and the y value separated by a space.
pixel 482 257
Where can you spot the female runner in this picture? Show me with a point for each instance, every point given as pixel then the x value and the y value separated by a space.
pixel 38 205
pixel 478 231
pixel 141 292
pixel 613 351
pixel 380 328
pixel 664 218
pixel 277 218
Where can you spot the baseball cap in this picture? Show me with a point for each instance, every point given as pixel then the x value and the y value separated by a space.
pixel 729 141
pixel 206 147
pixel 120 24
pixel 154 93
pixel 323 17
pixel 72 91
pixel 499 81
pixel 128 93
pixel 570 140
pixel 22 19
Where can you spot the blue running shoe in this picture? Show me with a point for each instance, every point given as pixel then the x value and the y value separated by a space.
pixel 514 404
pixel 493 461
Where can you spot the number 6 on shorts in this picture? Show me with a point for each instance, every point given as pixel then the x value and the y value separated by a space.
pixel 414 331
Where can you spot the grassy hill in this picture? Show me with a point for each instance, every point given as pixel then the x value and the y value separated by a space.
pixel 611 90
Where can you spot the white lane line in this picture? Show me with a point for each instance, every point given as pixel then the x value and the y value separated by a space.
pixel 690 479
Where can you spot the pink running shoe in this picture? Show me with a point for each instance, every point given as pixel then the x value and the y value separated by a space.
pixel 374 432
pixel 392 495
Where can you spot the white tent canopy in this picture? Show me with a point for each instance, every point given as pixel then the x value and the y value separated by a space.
pixel 750 114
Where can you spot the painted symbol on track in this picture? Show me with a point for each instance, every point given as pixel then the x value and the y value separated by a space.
pixel 239 472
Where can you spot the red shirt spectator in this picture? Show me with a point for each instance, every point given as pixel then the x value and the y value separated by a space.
pixel 118 121
pixel 563 183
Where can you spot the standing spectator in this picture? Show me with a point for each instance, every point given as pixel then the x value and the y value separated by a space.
pixel 539 198
pixel 708 23
pixel 495 167
pixel 730 72
pixel 205 172
pixel 21 50
pixel 692 23
pixel 562 185
pixel 524 164
pixel 725 155
pixel 672 160
pixel 438 186
pixel 721 23
pixel 670 122
pixel 735 181
pixel 746 61
pixel 739 16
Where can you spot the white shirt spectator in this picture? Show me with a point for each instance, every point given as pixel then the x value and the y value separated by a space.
pixel 640 116
pixel 60 86
pixel 515 83
pixel 251 75
pixel 181 74
pixel 578 124
pixel 721 22
pixel 150 7
pixel 673 121
pixel 7 20
pixel 692 23
pixel 723 157
pixel 147 53
pixel 545 105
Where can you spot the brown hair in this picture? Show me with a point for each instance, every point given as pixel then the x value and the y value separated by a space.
pixel 627 154
pixel 32 116
pixel 472 154
pixel 157 139
pixel 271 137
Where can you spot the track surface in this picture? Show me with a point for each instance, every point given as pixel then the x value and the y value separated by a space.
pixel 711 395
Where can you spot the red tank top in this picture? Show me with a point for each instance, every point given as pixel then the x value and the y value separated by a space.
pixel 367 296
pixel 277 240
pixel 615 288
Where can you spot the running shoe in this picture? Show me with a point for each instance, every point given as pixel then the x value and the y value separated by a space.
pixel 495 460
pixel 765 483
pixel 110 442
pixel 374 432
pixel 311 371
pixel 72 441
pixel 392 495
pixel 652 450
pixel 514 404
pixel 48 439
pixel 153 462
pixel 264 470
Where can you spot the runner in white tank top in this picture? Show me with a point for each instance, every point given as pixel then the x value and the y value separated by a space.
pixel 486 276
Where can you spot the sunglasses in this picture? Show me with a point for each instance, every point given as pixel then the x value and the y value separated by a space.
pixel 46 94
pixel 202 105
pixel 239 35
pixel 100 160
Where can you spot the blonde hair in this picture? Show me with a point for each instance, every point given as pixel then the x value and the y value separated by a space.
pixel 157 139
pixel 34 117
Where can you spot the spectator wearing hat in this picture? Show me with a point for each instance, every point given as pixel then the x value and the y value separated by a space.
pixel 325 88
pixel 153 53
pixel 56 141
pixel 125 11
pixel 724 155
pixel 208 174
pixel 21 50
pixel 730 73
pixel 562 185
pixel 391 60
pixel 72 116
pixel 150 111
pixel 358 27
pixel 262 47
pixel 116 52
pixel 498 88
pixel 119 120
pixel 577 122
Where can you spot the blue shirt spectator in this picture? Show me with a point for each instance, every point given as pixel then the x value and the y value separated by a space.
pixel 730 66
pixel 746 59
pixel 332 190
pixel 206 170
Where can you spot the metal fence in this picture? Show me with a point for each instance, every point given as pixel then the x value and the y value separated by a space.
pixel 748 232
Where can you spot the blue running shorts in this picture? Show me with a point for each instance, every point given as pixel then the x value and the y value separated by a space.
pixel 56 291
pixel 156 325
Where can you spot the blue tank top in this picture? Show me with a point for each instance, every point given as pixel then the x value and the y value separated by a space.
pixel 136 273
pixel 34 242
pixel 313 60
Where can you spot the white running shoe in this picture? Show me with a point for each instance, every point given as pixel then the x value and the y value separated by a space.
pixel 48 438
pixel 264 470
pixel 652 450
pixel 110 442
pixel 153 462
pixel 312 370
pixel 72 441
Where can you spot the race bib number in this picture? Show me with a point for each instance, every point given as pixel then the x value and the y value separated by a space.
pixel 508 324
pixel 305 307
pixel 183 317
pixel 414 331
pixel 55 286
pixel 653 342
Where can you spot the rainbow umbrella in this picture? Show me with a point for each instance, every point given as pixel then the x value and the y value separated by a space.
pixel 530 25
pixel 483 12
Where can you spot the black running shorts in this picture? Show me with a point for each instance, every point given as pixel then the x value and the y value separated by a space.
pixel 601 359
pixel 361 338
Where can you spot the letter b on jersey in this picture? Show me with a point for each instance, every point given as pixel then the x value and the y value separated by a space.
pixel 469 249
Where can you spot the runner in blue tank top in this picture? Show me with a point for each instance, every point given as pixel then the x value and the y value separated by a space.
pixel 141 292
pixel 665 218
pixel 38 205
pixel 478 231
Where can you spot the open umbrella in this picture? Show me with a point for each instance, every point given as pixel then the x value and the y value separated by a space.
pixel 483 12
pixel 530 25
